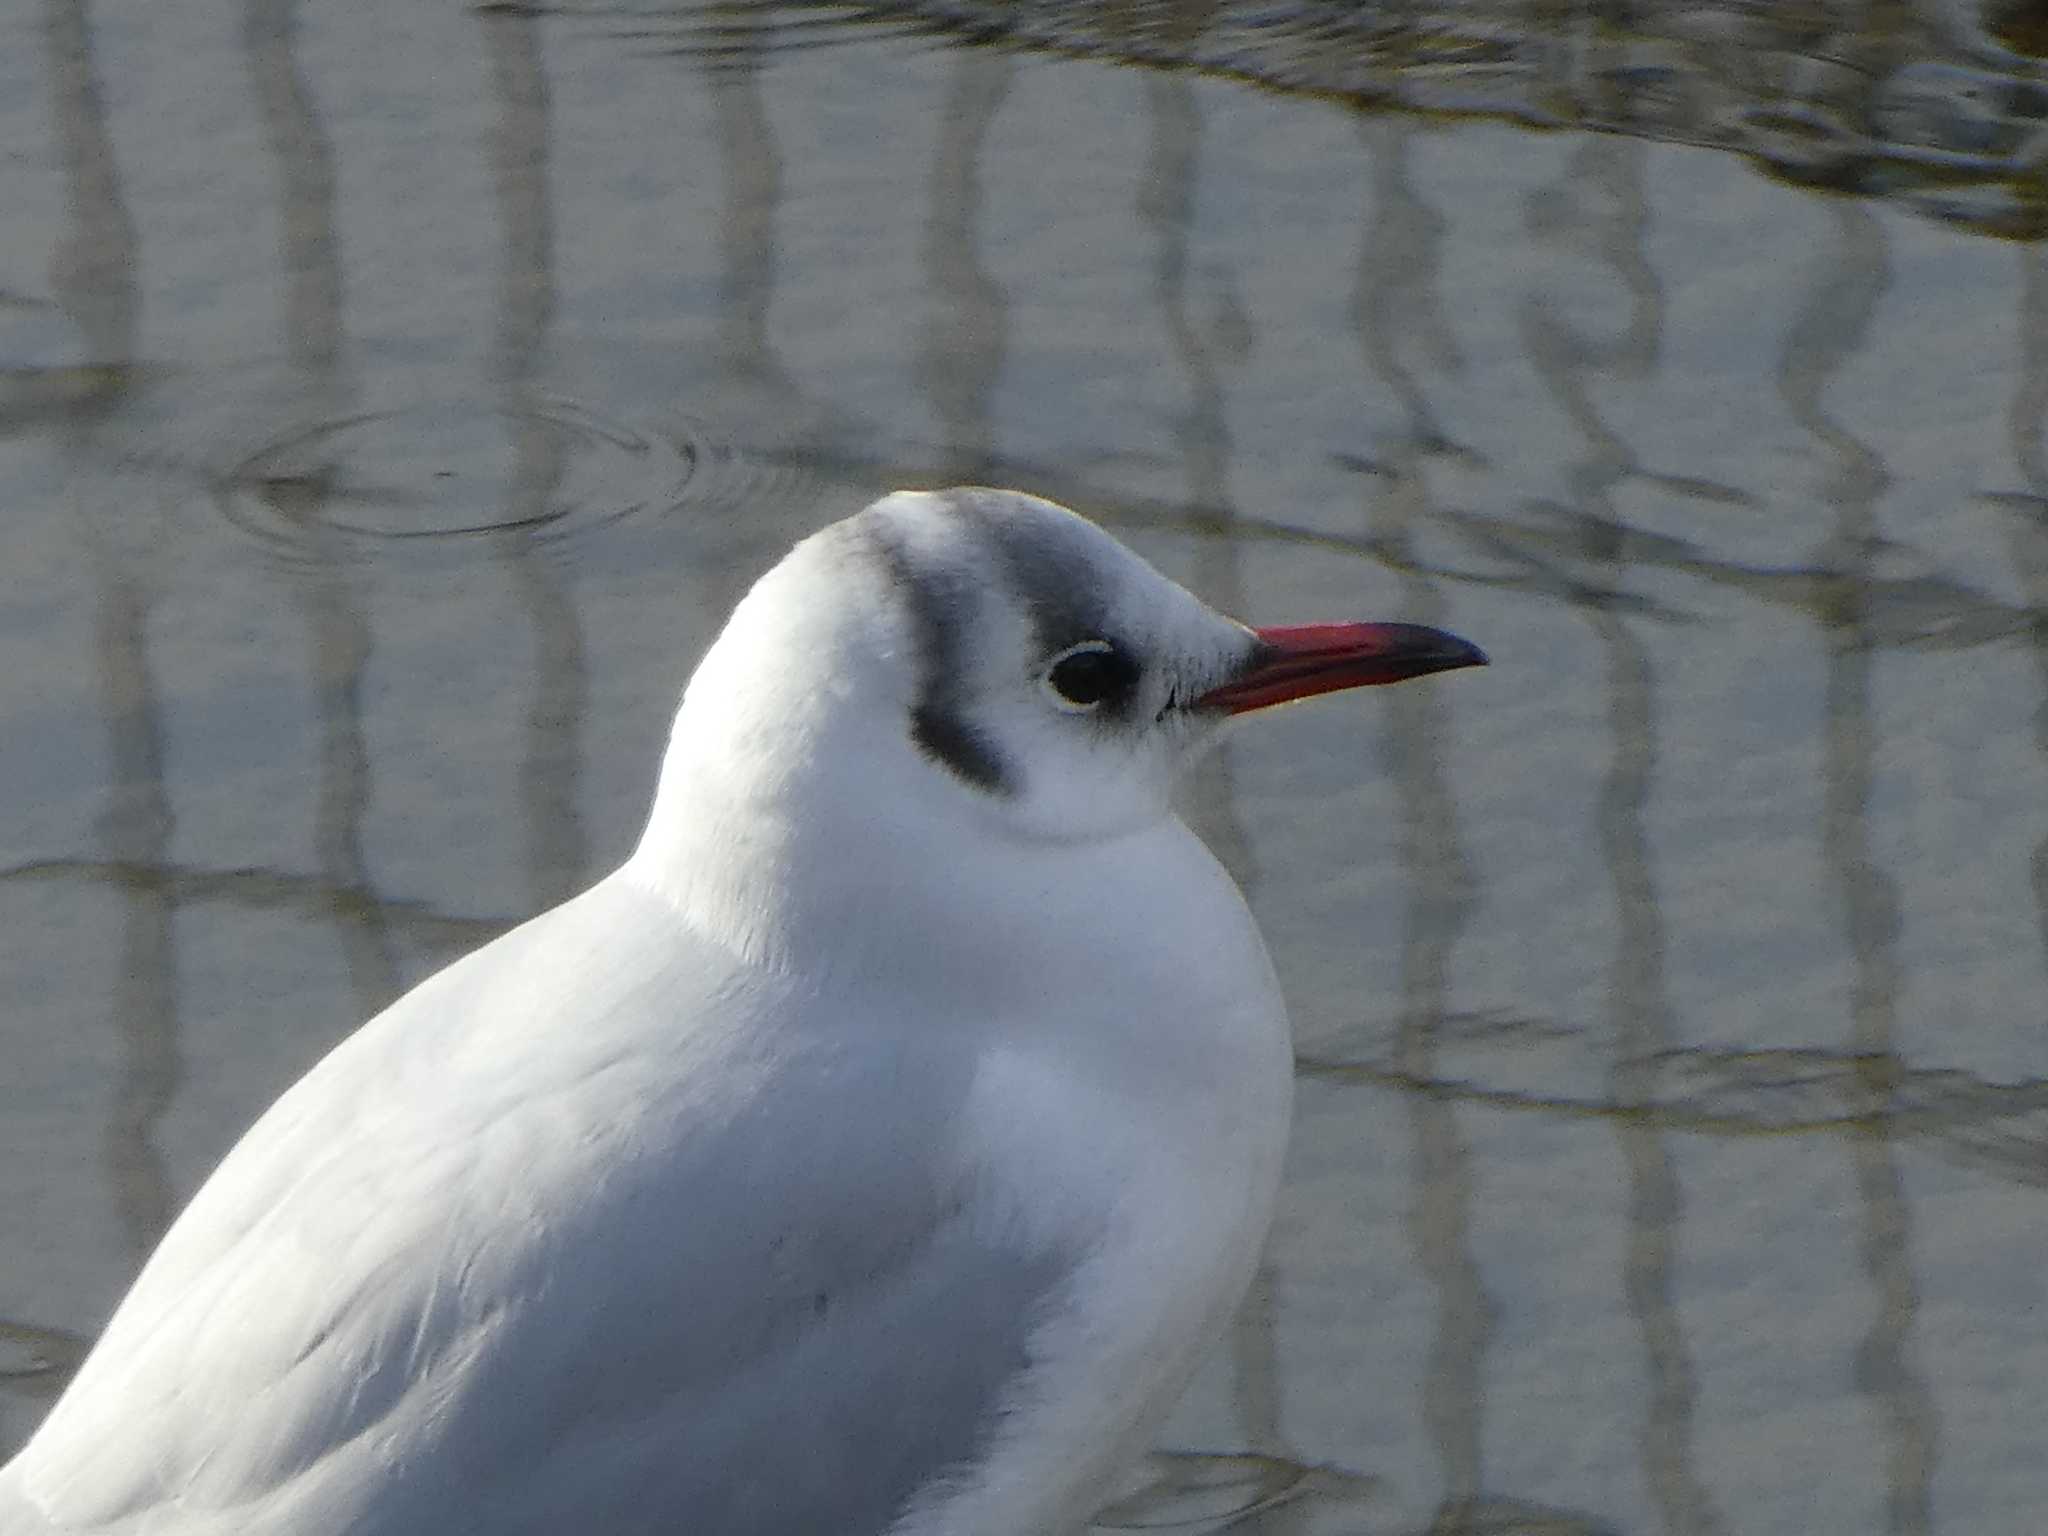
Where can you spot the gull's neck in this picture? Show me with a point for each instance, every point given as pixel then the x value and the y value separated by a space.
pixel 847 850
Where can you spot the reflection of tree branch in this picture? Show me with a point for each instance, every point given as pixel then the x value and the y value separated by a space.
pixel 2029 513
pixel 1195 1490
pixel 557 856
pixel 37 1362
pixel 1599 205
pixel 316 897
pixel 965 339
pixel 1399 272
pixel 1197 1493
pixel 1831 327
pixel 96 271
pixel 1925 611
pixel 1784 1092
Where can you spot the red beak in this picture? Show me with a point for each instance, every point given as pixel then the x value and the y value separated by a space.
pixel 1300 661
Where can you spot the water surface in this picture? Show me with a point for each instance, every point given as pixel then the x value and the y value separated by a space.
pixel 393 399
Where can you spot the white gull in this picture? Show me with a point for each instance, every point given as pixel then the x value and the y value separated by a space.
pixel 875 1151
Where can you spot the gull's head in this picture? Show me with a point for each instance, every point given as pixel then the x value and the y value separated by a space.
pixel 997 654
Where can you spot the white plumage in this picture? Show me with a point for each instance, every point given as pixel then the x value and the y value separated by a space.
pixel 873 1152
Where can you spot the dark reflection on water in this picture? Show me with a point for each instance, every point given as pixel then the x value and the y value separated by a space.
pixel 1402 249
pixel 753 188
pixel 303 157
pixel 963 335
pixel 93 265
pixel 1396 301
pixel 1776 1093
pixel 338 640
pixel 1199 1491
pixel 135 828
pixel 1601 205
pixel 36 1362
pixel 1915 103
pixel 1207 1494
pixel 1832 329
pixel 557 852
pixel 2027 518
pixel 93 273
pixel 317 896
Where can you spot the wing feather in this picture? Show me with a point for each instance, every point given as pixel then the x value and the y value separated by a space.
pixel 531 1244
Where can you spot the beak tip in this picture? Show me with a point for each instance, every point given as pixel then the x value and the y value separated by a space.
pixel 1431 650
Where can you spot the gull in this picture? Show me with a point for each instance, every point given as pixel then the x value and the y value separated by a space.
pixel 874 1151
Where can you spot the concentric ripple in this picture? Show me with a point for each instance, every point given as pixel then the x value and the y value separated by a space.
pixel 535 467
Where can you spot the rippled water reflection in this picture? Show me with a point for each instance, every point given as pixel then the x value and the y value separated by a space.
pixel 394 399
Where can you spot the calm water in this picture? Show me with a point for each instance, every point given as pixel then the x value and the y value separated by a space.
pixel 393 398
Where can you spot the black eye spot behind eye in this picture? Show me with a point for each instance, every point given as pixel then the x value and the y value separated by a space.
pixel 1091 674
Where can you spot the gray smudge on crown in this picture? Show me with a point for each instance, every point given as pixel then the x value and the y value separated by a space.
pixel 1058 584
pixel 1053 574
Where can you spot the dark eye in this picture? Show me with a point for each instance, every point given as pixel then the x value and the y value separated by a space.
pixel 1085 675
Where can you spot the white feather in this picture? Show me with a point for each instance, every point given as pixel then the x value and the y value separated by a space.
pixel 870 1152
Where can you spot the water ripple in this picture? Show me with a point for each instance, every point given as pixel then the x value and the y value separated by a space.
pixel 455 469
